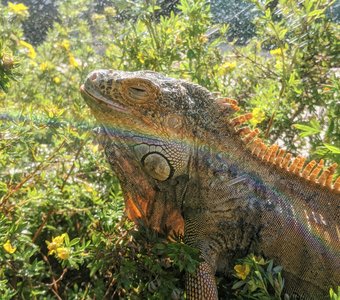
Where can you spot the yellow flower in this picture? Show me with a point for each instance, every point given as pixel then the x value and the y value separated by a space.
pixel 277 52
pixel 52 247
pixel 65 44
pixel 63 253
pixel 56 243
pixel 227 67
pixel 46 66
pixel 242 271
pixel 178 40
pixel 72 60
pixel 110 11
pixel 30 50
pixel 259 260
pixel 88 188
pixel 59 239
pixel 258 116
pixel 97 17
pixel 203 38
pixel 19 9
pixel 56 79
pixel 140 57
pixel 9 248
pixel 7 61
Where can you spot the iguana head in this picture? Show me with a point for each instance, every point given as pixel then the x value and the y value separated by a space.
pixel 150 124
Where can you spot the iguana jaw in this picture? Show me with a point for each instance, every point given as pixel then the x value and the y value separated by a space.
pixel 93 98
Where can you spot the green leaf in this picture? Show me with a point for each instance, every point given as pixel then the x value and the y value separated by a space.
pixel 74 242
pixel 321 151
pixel 67 239
pixel 316 12
pixel 238 284
pixel 333 295
pixel 191 54
pixel 315 124
pixel 270 266
pixel 259 275
pixel 307 130
pixel 282 33
pixel 332 148
pixel 277 269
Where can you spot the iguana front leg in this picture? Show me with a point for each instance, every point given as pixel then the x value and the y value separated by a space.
pixel 201 285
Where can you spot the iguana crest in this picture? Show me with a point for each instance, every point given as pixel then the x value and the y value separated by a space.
pixel 279 157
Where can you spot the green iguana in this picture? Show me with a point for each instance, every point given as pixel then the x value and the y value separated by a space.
pixel 185 163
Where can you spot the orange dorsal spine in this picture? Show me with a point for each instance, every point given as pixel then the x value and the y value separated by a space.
pixel 274 154
pixel 300 165
pixel 243 131
pixel 336 184
pixel 328 175
pixel 240 119
pixel 286 161
pixel 314 174
pixel 270 153
pixel 308 169
pixel 251 135
pixel 229 104
pixel 278 156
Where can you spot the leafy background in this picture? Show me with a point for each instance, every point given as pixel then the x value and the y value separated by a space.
pixel 63 233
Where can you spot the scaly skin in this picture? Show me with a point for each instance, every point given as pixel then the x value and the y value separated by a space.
pixel 184 162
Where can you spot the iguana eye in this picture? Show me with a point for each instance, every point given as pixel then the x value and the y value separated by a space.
pixel 137 90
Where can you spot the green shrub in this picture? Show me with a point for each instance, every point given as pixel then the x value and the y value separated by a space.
pixel 334 295
pixel 257 278
pixel 291 66
pixel 63 233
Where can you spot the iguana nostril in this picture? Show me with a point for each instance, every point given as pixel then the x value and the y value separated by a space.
pixel 93 77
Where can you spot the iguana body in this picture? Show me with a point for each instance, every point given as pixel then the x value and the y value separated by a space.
pixel 183 160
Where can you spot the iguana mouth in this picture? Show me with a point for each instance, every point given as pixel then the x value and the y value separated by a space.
pixel 97 98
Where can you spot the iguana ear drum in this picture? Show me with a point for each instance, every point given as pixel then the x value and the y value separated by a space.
pixel 157 166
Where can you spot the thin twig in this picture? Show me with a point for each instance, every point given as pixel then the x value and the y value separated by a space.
pixel 73 164
pixel 55 281
pixel 259 66
pixel 42 225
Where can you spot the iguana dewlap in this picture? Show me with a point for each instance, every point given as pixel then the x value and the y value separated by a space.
pixel 185 162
